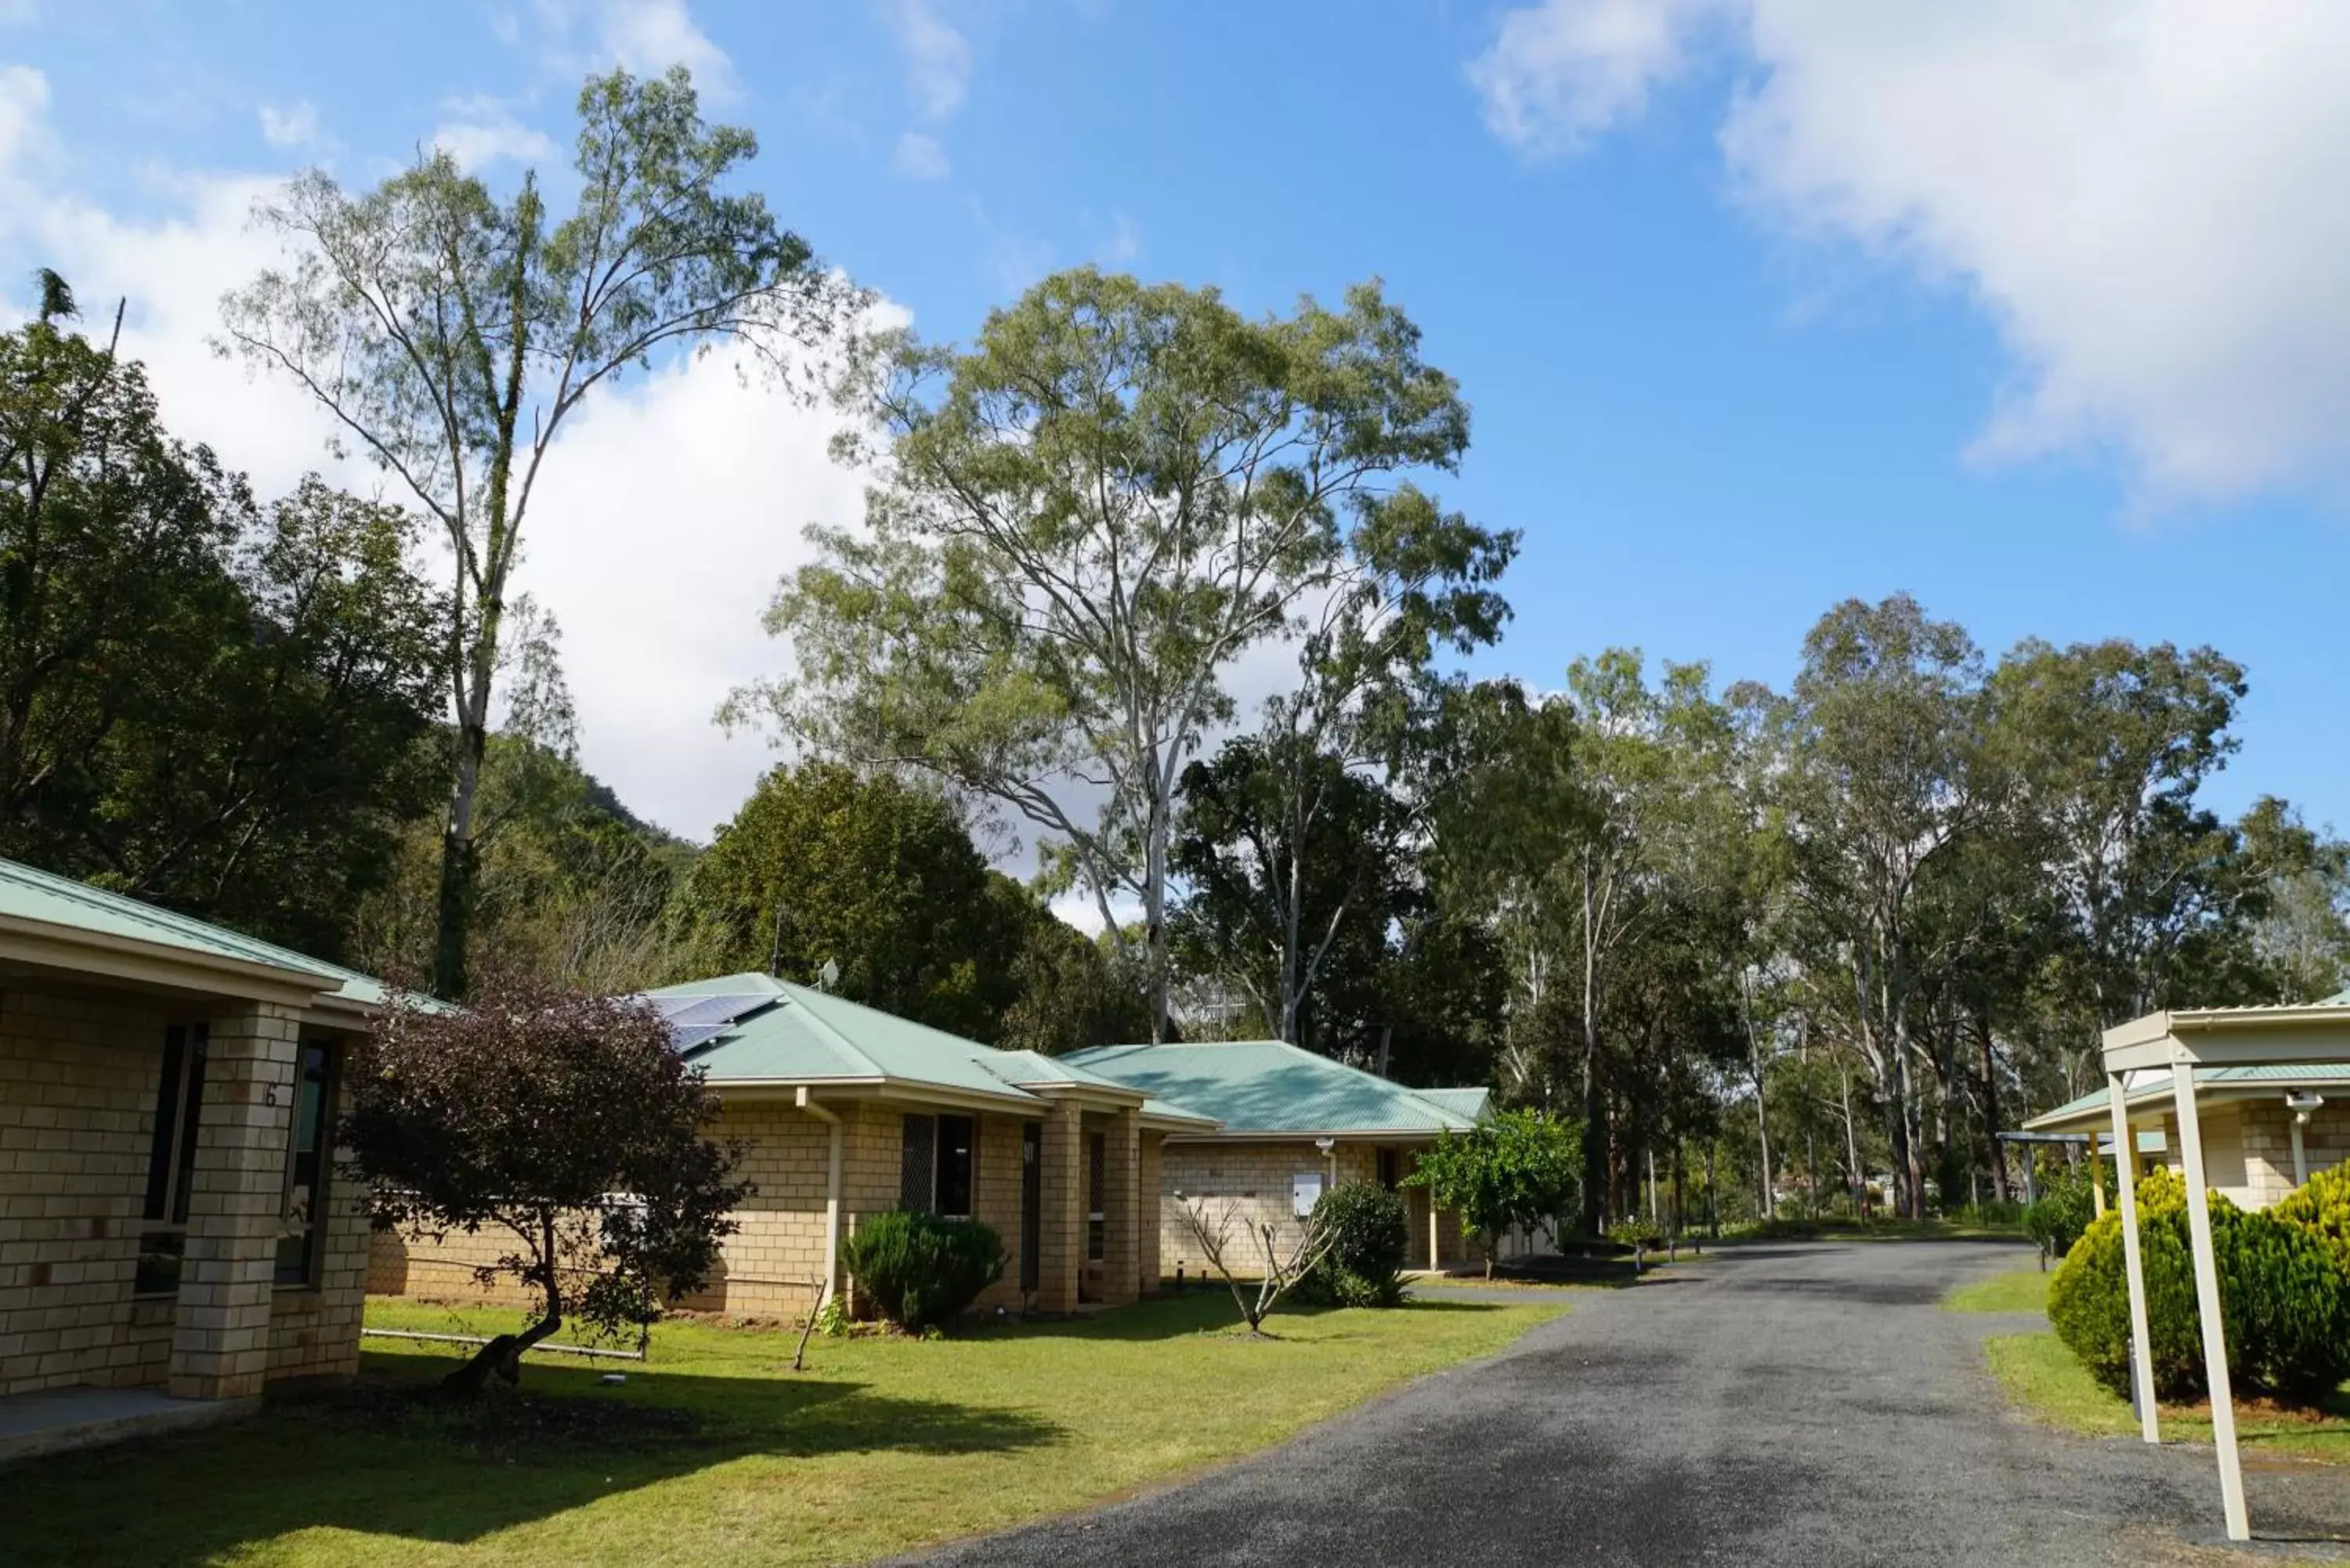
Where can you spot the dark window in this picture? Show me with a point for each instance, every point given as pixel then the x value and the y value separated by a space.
pixel 172 1162
pixel 957 1136
pixel 1097 1196
pixel 307 1158
pixel 1387 1169
pixel 917 1164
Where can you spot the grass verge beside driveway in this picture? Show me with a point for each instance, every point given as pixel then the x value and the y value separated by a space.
pixel 2043 1377
pixel 716 1452
pixel 2018 1289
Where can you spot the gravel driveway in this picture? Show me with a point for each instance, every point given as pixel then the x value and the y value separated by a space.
pixel 1788 1404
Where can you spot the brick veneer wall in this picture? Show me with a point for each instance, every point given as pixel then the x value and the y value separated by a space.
pixel 2248 1146
pixel 773 1266
pixel 78 1072
pixel 1254 1179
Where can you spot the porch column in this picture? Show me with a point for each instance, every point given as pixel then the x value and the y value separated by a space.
pixel 2206 1303
pixel 2126 1191
pixel 1122 1208
pixel 1148 1201
pixel 220 1334
pixel 1061 1209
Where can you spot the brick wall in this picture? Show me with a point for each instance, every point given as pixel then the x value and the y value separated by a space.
pixel 773 1266
pixel 1254 1180
pixel 77 1077
pixel 79 1074
pixel 2248 1145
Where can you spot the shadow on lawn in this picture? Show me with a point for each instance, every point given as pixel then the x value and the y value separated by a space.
pixel 1197 1310
pixel 379 1458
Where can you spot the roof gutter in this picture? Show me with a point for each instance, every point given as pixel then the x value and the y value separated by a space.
pixel 75 948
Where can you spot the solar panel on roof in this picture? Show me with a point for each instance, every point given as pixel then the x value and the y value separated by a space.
pixel 694 1019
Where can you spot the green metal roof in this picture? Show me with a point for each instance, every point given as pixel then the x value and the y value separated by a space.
pixel 26 894
pixel 1271 1086
pixel 2278 1073
pixel 1471 1103
pixel 792 1033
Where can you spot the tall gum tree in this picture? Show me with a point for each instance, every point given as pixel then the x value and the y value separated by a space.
pixel 1076 527
pixel 450 330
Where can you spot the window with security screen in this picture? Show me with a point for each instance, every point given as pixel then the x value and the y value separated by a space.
pixel 918 1166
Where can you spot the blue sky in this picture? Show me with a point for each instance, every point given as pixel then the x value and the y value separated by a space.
pixel 1759 305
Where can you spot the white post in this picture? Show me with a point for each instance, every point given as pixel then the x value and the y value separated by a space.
pixel 2207 1302
pixel 2125 1188
pixel 2300 1159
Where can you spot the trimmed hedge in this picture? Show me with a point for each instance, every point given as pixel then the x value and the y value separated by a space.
pixel 1372 1234
pixel 2283 1296
pixel 2063 1211
pixel 918 1268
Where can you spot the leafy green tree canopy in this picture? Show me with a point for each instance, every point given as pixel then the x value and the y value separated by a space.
pixel 1520 1169
pixel 450 331
pixel 1080 523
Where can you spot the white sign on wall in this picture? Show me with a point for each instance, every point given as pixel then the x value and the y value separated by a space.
pixel 1305 1191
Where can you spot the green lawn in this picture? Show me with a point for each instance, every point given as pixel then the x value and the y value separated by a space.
pixel 716 1452
pixel 2043 1377
pixel 2019 1289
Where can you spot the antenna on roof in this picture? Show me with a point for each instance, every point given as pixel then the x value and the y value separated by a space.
pixel 829 975
pixel 776 952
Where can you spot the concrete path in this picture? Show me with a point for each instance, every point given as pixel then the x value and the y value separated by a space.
pixel 1802 1403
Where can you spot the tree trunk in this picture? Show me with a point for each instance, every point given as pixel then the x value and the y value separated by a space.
pixel 502 1355
pixel 1762 1124
pixel 1856 1178
pixel 1990 1107
pixel 461 868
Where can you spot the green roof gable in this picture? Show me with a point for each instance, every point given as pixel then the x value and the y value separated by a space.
pixel 26 894
pixel 1268 1087
pixel 782 1032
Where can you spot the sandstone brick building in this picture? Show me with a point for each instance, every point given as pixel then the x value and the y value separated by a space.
pixel 1290 1126
pixel 845 1112
pixel 2266 1130
pixel 171 1213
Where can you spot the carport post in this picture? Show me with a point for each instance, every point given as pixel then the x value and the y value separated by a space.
pixel 2207 1303
pixel 2126 1188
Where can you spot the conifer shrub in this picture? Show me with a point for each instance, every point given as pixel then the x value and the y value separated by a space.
pixel 1370 1231
pixel 918 1268
pixel 2284 1297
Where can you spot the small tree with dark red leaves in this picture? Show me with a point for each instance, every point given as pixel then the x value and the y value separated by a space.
pixel 563 1122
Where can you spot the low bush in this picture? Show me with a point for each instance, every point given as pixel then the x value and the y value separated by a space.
pixel 1370 1234
pixel 2089 1301
pixel 918 1269
pixel 2283 1297
pixel 2063 1211
pixel 2320 1206
pixel 1991 1214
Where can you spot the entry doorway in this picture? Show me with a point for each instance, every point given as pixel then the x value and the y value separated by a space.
pixel 1032 1204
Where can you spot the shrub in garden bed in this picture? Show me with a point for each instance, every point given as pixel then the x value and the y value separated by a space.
pixel 920 1269
pixel 1370 1232
pixel 2283 1296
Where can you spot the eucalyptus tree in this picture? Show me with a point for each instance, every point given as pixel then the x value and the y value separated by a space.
pixel 1577 820
pixel 1078 527
pixel 2110 743
pixel 451 330
pixel 1881 776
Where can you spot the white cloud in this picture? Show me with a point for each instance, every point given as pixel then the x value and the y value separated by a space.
pixel 669 508
pixel 650 35
pixel 2138 193
pixel 937 57
pixel 294 125
pixel 1561 72
pixel 1123 244
pixel 24 110
pixel 920 157
pixel 484 131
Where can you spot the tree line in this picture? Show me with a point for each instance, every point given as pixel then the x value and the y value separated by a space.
pixel 1763 946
